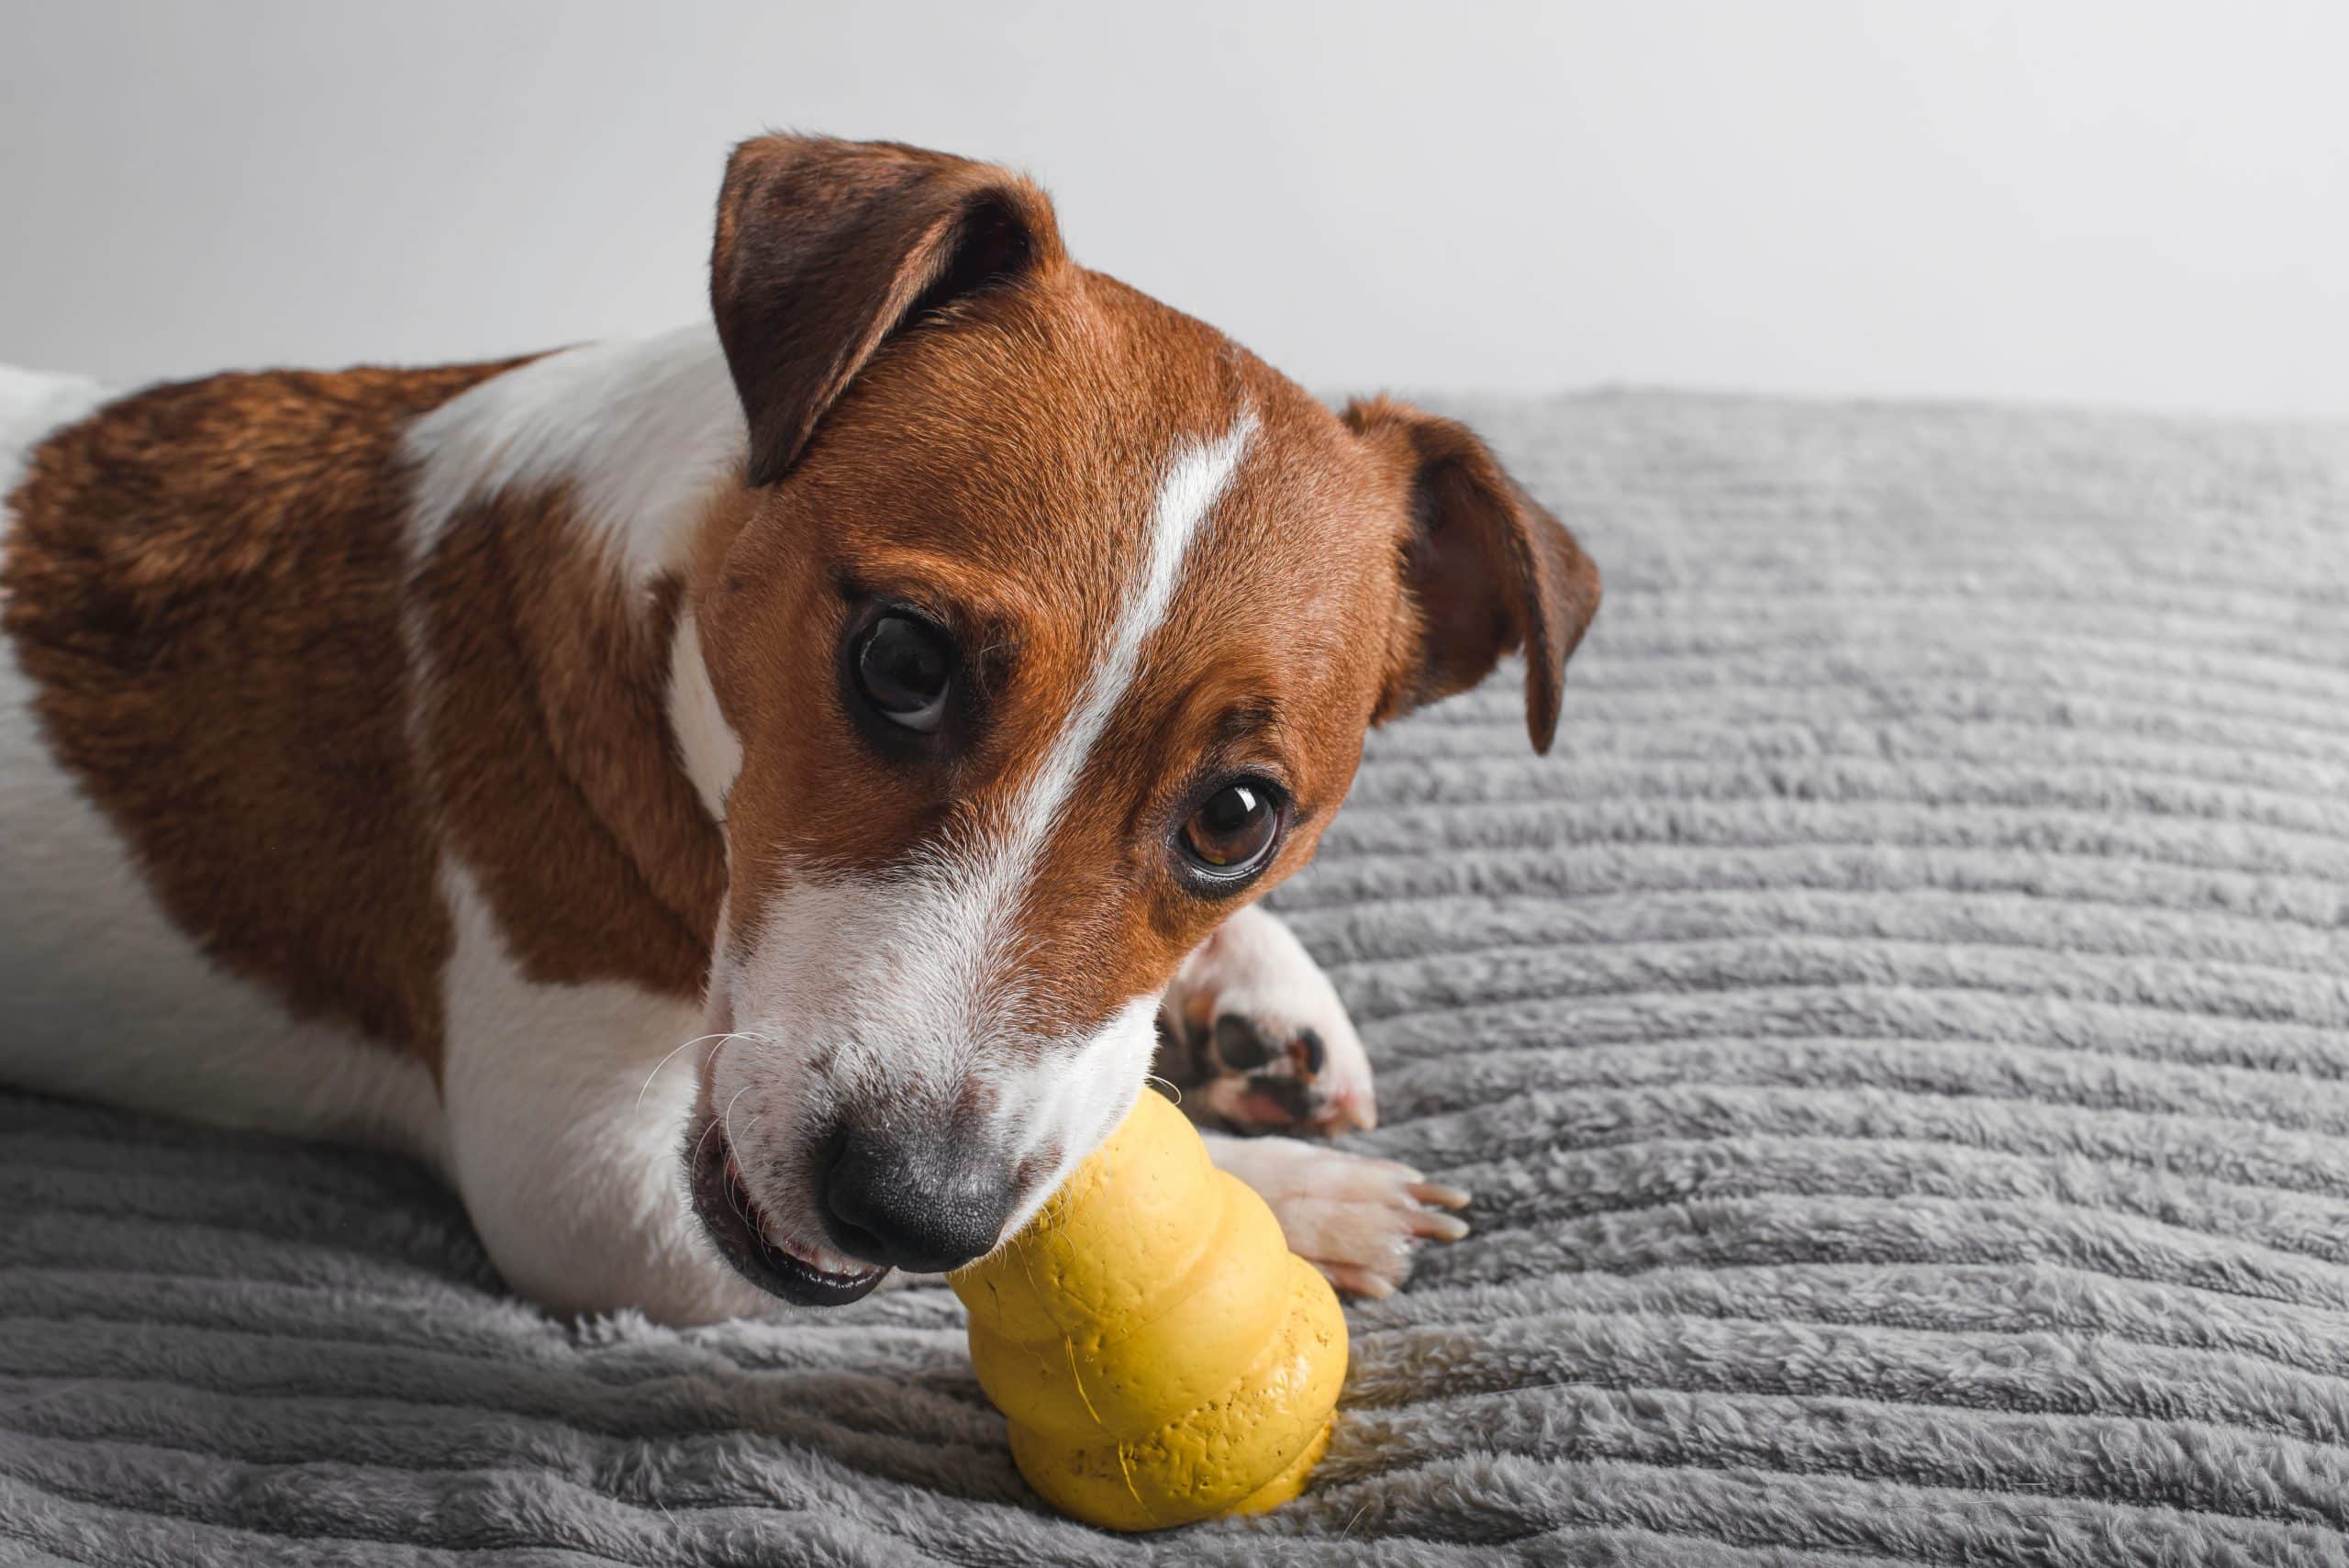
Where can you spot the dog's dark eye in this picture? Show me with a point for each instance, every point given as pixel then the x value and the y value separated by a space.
pixel 1232 835
pixel 903 667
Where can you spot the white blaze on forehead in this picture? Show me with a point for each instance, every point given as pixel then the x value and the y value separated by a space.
pixel 983 885
pixel 1196 477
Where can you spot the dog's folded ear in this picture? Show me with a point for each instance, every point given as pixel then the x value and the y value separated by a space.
pixel 1485 570
pixel 826 249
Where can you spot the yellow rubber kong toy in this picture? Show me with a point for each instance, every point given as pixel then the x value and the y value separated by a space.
pixel 1160 1354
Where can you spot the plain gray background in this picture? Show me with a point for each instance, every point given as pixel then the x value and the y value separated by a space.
pixel 2137 202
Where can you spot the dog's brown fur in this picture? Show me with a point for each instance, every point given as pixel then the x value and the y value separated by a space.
pixel 552 761
pixel 204 581
pixel 209 583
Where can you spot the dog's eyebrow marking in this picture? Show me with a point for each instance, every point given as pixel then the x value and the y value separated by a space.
pixel 1244 722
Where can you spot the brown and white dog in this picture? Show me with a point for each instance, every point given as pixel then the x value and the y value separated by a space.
pixel 755 786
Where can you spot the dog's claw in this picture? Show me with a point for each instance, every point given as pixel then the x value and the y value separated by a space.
pixel 1359 1219
pixel 1357 1281
pixel 1436 1195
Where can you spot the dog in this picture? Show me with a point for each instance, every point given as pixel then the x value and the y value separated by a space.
pixel 749 806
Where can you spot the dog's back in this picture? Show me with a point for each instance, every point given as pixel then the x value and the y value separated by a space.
pixel 136 764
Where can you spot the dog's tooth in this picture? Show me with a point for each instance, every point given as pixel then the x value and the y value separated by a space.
pixel 814 1257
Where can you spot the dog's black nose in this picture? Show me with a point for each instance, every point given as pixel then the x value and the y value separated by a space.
pixel 920 1207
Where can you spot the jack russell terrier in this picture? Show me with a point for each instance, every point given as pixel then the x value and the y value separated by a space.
pixel 751 806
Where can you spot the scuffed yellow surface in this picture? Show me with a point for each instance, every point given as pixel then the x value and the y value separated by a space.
pixel 1161 1355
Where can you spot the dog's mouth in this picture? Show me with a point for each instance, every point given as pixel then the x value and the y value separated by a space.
pixel 759 1250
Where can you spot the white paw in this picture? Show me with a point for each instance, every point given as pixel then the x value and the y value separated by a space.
pixel 1357 1219
pixel 1255 1038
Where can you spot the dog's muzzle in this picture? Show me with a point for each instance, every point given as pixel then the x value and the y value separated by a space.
pixel 749 1240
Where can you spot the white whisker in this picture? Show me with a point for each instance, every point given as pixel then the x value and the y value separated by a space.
pixel 720 1038
pixel 734 1185
pixel 703 1142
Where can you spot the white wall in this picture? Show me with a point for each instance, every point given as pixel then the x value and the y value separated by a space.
pixel 2116 201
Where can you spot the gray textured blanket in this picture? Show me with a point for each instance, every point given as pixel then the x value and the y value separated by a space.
pixel 1901 1052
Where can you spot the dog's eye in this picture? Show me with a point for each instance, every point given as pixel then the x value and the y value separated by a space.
pixel 903 667
pixel 1231 834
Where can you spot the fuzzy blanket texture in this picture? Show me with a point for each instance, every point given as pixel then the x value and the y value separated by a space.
pixel 1900 1048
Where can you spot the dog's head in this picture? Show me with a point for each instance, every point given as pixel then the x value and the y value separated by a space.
pixel 1050 622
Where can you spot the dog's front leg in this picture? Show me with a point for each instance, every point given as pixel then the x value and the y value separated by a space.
pixel 571 1161
pixel 1255 1035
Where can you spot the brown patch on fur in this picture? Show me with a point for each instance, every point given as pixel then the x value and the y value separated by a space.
pixel 551 765
pixel 1256 671
pixel 207 582
pixel 203 581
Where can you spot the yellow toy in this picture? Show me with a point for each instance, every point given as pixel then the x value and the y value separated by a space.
pixel 1159 1353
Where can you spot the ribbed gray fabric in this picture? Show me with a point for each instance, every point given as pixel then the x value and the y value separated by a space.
pixel 1901 1049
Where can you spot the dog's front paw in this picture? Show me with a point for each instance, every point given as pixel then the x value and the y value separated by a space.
pixel 1260 1068
pixel 1357 1219
pixel 1254 1037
